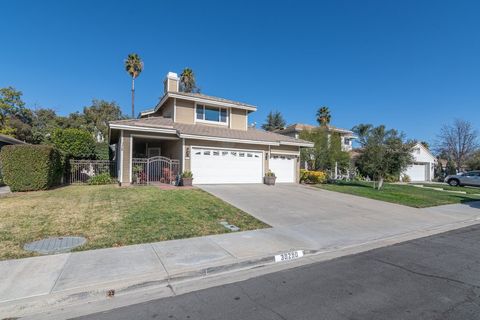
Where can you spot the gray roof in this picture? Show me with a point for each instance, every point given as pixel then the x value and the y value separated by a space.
pixel 297 127
pixel 204 96
pixel 210 131
pixel 9 140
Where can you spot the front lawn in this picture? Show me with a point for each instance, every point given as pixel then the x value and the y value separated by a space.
pixel 401 194
pixel 110 216
pixel 444 186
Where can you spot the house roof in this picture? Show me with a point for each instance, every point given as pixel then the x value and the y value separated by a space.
pixel 10 140
pixel 208 132
pixel 199 97
pixel 297 127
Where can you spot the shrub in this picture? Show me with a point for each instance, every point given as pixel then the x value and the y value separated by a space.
pixel 102 151
pixel 102 178
pixel 389 178
pixel 313 177
pixel 269 173
pixel 75 143
pixel 187 174
pixel 31 167
pixel 406 178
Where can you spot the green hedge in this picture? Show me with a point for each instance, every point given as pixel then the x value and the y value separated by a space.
pixel 31 167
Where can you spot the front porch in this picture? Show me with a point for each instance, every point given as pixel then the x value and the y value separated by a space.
pixel 155 159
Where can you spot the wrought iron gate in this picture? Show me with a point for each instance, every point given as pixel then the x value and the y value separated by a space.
pixel 154 170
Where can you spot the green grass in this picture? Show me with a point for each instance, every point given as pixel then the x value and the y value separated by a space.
pixel 444 186
pixel 400 194
pixel 110 216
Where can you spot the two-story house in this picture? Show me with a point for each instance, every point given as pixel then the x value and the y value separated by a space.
pixel 206 135
pixel 347 137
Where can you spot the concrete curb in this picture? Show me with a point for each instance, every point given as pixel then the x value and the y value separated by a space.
pixel 150 286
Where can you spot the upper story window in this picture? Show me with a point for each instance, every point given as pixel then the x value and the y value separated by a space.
pixel 211 114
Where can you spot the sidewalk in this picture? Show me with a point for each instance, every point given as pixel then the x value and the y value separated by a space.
pixel 58 280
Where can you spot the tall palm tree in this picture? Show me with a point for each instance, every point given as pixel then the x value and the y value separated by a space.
pixel 134 66
pixel 323 116
pixel 187 81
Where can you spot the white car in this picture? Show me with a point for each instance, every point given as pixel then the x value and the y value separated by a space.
pixel 471 178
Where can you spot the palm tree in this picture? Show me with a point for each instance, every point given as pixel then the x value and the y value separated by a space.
pixel 134 66
pixel 323 116
pixel 274 121
pixel 187 81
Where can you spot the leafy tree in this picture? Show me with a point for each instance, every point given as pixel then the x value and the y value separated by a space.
pixel 439 172
pixel 98 115
pixel 134 66
pixel 450 167
pixel 15 118
pixel 458 140
pixel 323 116
pixel 425 144
pixel 45 121
pixel 384 152
pixel 274 121
pixel 473 163
pixel 187 81
pixel 74 143
pixel 327 150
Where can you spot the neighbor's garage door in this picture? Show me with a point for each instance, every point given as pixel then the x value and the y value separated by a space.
pixel 210 166
pixel 284 167
pixel 417 172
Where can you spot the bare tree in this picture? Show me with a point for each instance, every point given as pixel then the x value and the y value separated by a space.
pixel 458 141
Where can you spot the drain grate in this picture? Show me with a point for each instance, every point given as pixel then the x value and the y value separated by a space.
pixel 55 245
pixel 229 226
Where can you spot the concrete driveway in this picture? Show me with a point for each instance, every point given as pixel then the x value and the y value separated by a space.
pixel 321 219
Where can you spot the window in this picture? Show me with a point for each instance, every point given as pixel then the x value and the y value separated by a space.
pixel 211 114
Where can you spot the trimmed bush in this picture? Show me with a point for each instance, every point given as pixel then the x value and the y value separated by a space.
pixel 102 178
pixel 313 177
pixel 75 143
pixel 102 151
pixel 31 167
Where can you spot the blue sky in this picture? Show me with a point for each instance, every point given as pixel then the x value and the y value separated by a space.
pixel 412 65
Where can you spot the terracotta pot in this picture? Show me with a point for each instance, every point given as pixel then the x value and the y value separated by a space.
pixel 187 182
pixel 269 181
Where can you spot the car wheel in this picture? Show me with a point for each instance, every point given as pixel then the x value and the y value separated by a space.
pixel 454 182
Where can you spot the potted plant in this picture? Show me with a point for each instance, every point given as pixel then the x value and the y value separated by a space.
pixel 137 173
pixel 269 178
pixel 187 178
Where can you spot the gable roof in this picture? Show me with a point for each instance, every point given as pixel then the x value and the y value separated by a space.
pixel 205 132
pixel 298 127
pixel 428 152
pixel 202 98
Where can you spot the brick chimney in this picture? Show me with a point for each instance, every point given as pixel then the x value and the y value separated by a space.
pixel 171 83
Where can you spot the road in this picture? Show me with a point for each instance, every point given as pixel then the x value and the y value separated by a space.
pixel 437 277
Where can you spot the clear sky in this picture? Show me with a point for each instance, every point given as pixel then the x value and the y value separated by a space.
pixel 412 65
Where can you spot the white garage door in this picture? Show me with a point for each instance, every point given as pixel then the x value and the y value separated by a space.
pixel 216 166
pixel 417 172
pixel 283 167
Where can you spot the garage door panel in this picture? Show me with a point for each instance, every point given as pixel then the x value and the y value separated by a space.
pixel 417 172
pixel 216 166
pixel 284 168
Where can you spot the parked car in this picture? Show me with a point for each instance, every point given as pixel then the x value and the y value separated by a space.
pixel 471 178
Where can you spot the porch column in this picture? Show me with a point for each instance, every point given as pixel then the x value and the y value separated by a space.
pixel 126 147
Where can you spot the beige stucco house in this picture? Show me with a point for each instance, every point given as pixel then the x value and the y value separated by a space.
pixel 206 135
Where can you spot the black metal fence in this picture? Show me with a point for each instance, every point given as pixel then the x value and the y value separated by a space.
pixel 80 171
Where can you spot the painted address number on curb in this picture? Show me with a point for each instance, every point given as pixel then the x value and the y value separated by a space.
pixel 289 256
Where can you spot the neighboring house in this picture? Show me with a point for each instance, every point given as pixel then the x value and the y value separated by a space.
pixel 423 167
pixel 294 131
pixel 206 135
pixel 6 140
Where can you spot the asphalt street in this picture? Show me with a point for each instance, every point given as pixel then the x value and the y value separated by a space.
pixel 437 277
